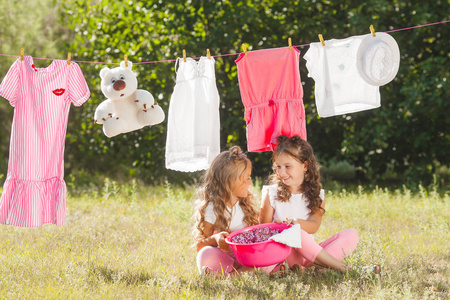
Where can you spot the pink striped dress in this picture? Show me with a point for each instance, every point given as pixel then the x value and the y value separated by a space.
pixel 34 192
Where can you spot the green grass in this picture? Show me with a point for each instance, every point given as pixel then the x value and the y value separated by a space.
pixel 133 242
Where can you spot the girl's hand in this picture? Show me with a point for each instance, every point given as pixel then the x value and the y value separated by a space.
pixel 220 240
pixel 290 221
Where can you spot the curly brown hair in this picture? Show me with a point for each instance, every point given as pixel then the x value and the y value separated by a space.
pixel 218 182
pixel 300 150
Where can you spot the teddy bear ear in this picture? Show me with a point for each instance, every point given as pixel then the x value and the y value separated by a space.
pixel 104 72
pixel 129 64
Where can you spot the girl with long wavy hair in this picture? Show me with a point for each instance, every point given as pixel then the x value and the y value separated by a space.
pixel 296 197
pixel 224 205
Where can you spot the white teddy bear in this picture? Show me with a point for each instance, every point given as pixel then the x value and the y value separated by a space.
pixel 126 108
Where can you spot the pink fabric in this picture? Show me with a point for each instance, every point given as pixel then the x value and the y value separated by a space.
pixel 34 192
pixel 272 93
pixel 216 259
pixel 220 262
pixel 339 246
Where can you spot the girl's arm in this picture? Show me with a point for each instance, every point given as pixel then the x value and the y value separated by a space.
pixel 312 224
pixel 215 240
pixel 266 214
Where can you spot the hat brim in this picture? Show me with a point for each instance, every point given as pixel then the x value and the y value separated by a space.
pixel 384 53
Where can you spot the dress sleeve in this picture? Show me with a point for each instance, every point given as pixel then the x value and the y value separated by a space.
pixel 9 87
pixel 311 56
pixel 322 194
pixel 78 88
pixel 272 191
pixel 210 217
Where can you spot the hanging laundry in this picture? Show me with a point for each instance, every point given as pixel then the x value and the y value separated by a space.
pixel 272 94
pixel 339 87
pixel 193 126
pixel 34 192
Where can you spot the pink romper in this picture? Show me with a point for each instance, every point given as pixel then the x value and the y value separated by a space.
pixel 272 95
pixel 34 192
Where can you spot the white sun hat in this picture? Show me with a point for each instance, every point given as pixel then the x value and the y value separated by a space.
pixel 378 58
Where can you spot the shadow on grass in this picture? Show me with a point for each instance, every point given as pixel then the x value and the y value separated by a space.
pixel 293 285
pixel 113 276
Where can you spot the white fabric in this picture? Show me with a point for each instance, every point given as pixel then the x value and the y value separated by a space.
pixel 193 125
pixel 291 237
pixel 339 88
pixel 237 216
pixel 378 58
pixel 296 207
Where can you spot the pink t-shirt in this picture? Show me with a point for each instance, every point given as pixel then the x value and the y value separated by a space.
pixel 272 93
pixel 34 192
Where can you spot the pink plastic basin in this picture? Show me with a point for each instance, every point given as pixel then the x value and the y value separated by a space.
pixel 259 254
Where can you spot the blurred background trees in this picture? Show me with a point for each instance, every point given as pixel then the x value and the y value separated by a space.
pixel 406 140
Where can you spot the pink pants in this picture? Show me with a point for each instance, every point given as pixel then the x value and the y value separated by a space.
pixel 339 246
pixel 215 259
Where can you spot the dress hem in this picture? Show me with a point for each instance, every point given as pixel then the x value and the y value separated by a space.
pixel 33 203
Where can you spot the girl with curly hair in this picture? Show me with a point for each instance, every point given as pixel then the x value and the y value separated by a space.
pixel 296 197
pixel 224 205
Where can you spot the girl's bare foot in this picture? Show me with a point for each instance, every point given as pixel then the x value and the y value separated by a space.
pixel 298 269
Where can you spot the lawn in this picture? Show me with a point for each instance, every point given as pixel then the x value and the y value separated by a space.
pixel 128 241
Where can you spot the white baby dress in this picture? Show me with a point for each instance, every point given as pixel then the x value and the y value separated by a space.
pixel 193 124
pixel 339 87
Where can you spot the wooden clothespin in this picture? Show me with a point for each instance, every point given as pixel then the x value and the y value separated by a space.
pixel 21 54
pixel 208 54
pixel 69 56
pixel 372 30
pixel 125 57
pixel 184 55
pixel 244 48
pixel 321 40
pixel 290 44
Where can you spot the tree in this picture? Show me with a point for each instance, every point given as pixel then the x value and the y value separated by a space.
pixel 393 135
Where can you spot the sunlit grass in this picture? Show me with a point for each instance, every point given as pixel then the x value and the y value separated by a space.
pixel 131 241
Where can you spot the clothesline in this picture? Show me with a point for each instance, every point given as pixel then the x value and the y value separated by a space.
pixel 219 55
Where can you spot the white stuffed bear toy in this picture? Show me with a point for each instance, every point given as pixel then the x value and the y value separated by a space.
pixel 126 108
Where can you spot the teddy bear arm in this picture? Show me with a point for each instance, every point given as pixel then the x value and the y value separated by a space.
pixel 104 111
pixel 152 116
pixel 144 99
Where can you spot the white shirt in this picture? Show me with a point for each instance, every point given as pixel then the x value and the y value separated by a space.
pixel 237 216
pixel 340 89
pixel 296 207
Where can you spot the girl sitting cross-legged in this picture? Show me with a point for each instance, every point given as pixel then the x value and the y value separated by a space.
pixel 296 197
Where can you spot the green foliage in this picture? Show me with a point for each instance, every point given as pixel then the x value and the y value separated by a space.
pixel 407 132
pixel 410 131
pixel 340 171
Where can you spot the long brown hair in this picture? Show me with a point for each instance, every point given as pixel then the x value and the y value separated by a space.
pixel 218 181
pixel 300 150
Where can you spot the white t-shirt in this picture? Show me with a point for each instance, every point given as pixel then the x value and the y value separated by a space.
pixel 296 207
pixel 340 89
pixel 237 216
